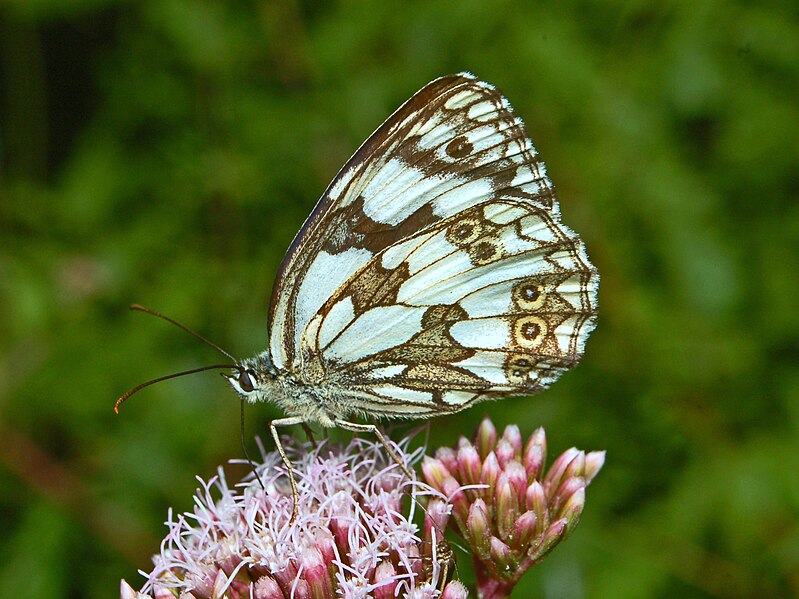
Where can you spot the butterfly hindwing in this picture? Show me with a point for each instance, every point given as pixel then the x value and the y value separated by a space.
pixel 497 300
pixel 435 271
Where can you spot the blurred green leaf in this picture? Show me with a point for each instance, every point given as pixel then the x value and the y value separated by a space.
pixel 166 153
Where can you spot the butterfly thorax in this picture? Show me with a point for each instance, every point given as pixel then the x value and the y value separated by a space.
pixel 304 393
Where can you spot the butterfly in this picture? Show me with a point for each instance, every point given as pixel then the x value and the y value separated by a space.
pixel 434 273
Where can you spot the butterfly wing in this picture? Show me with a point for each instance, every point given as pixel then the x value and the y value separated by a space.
pixel 435 271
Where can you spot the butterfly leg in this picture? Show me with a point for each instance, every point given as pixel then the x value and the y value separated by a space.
pixel 371 428
pixel 309 434
pixel 273 427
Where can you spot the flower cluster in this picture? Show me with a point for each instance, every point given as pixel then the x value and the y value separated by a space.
pixel 354 535
pixel 509 511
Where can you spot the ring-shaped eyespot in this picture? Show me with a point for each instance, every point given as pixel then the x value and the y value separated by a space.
pixel 529 295
pixel 246 380
pixel 529 331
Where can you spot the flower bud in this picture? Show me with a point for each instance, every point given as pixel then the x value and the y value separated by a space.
pixel 505 452
pixel 523 512
pixel 513 436
pixel 561 495
pixel 478 528
pixel 535 454
pixel 460 503
pixel 486 438
pixel 594 461
pixel 502 558
pixel 126 591
pixel 161 592
pixel 448 457
pixel 469 465
pixel 556 471
pixel 576 467
pixel 552 537
pixel 327 549
pixel 436 517
pixel 455 590
pixel 572 509
pixel 287 575
pixel 517 477
pixel 524 530
pixel 221 584
pixel 434 472
pixel 316 574
pixel 490 471
pixel 267 587
pixel 507 505
pixel 536 500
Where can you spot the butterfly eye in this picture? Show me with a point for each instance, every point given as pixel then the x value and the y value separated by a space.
pixel 247 380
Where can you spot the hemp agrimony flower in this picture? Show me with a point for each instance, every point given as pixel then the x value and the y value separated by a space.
pixel 354 535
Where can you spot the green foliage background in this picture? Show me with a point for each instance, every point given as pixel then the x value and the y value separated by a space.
pixel 166 151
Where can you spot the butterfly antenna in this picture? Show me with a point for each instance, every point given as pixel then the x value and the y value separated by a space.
pixel 182 327
pixel 137 388
pixel 247 455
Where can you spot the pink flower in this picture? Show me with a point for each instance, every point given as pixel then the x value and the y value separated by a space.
pixel 508 510
pixel 354 535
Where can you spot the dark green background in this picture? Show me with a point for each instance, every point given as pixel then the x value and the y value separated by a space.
pixel 166 151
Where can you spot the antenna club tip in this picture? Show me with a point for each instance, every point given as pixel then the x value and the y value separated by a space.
pixel 135 307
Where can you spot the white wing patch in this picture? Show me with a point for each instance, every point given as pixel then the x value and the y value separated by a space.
pixel 482 111
pixel 340 315
pixel 502 213
pixel 404 394
pixel 490 300
pixel 326 274
pixel 342 181
pixel 483 333
pixel 386 199
pixel 488 365
pixel 459 100
pixel 378 329
pixel 401 252
pixel 458 399
pixel 460 197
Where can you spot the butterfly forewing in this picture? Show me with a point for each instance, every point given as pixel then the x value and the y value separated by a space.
pixel 435 270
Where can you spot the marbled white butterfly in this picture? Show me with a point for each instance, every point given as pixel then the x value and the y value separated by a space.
pixel 434 273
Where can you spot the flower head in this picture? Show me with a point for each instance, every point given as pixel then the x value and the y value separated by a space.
pixel 508 509
pixel 354 535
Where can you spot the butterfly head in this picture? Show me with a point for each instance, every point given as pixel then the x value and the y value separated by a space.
pixel 253 377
